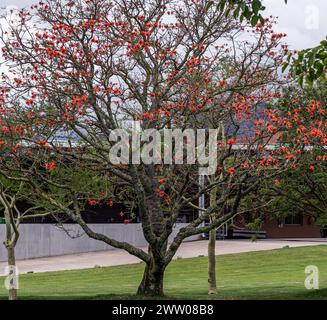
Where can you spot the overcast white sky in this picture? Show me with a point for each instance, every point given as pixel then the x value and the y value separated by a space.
pixel 305 21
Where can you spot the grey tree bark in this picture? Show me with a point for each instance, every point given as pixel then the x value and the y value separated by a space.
pixel 212 281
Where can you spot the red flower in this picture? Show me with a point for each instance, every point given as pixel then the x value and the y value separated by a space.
pixel 161 181
pixel 245 165
pixel 259 122
pixel 110 203
pixel 231 171
pixel 167 198
pixel 4 129
pixel 231 141
pixel 312 168
pixel 42 143
pixel 92 202
pixel 290 157
pixel 18 81
pixel 50 166
pixel 161 193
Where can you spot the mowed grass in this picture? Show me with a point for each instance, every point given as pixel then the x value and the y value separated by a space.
pixel 275 274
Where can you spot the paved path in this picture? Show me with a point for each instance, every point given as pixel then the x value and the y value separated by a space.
pixel 120 257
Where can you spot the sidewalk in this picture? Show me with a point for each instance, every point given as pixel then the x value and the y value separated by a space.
pixel 120 257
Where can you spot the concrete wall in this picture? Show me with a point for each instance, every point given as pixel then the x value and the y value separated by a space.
pixel 45 240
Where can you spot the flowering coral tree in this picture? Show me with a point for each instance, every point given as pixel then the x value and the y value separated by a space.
pixel 76 71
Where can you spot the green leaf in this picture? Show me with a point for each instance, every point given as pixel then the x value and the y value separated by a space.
pixel 311 58
pixel 256 6
pixel 300 80
pixel 285 65
pixel 237 11
pixel 254 21
pixel 222 5
pixel 310 78
pixel 320 69
pixel 247 13
pixel 209 5
pixel 262 20
pixel 227 11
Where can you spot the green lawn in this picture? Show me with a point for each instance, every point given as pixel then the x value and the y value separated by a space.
pixel 276 274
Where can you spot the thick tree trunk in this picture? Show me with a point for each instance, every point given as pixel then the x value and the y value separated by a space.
pixel 152 281
pixel 12 264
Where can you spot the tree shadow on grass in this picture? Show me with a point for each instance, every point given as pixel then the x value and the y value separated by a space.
pixel 301 294
pixel 94 297
pixel 320 294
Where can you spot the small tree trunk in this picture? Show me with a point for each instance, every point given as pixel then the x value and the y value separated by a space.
pixel 12 264
pixel 11 239
pixel 212 282
pixel 212 262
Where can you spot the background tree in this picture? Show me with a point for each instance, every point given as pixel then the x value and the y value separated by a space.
pixel 310 65
pixel 256 84
pixel 12 194
pixel 8 204
pixel 307 66
pixel 302 190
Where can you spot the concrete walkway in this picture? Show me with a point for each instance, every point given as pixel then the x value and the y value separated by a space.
pixel 120 257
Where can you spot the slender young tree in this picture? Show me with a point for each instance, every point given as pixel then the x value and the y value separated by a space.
pixel 11 194
pixel 11 237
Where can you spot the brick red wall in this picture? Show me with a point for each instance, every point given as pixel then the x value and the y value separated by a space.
pixel 278 229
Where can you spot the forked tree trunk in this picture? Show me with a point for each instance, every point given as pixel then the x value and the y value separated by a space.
pixel 212 281
pixel 11 239
pixel 12 265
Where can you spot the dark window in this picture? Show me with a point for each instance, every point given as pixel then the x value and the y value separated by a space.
pixel 295 219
